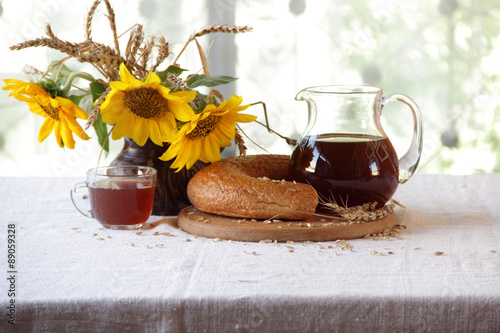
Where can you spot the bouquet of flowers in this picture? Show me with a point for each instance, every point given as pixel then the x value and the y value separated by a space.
pixel 132 97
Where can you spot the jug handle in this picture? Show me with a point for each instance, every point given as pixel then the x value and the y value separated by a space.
pixel 408 163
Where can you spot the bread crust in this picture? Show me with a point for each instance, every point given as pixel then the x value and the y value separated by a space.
pixel 252 187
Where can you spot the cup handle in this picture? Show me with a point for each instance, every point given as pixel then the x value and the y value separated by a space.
pixel 79 200
pixel 408 163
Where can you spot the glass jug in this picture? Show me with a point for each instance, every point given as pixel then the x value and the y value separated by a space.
pixel 344 152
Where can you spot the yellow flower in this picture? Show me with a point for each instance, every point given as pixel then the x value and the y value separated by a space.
pixel 59 112
pixel 142 110
pixel 203 135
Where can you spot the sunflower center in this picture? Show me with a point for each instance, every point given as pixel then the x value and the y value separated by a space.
pixel 204 128
pixel 146 103
pixel 51 111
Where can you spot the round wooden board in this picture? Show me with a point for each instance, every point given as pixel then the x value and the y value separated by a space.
pixel 317 229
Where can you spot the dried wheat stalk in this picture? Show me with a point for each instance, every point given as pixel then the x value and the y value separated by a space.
pixel 221 28
pixel 90 16
pixel 176 81
pixel 240 143
pixel 95 110
pixel 163 52
pixel 366 212
pixel 135 41
pixel 112 24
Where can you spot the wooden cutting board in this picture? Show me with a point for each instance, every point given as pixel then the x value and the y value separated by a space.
pixel 317 229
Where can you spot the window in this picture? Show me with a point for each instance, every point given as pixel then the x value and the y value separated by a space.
pixel 442 53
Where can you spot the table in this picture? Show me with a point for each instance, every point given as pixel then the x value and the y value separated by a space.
pixel 442 273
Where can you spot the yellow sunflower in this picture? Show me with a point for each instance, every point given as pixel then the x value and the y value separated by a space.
pixel 141 110
pixel 203 135
pixel 59 112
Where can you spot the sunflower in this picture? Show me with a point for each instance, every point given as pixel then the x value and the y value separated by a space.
pixel 141 110
pixel 203 135
pixel 59 112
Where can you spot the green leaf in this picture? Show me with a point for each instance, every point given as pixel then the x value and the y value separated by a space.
pixel 77 99
pixel 97 90
pixel 199 80
pixel 101 129
pixel 61 72
pixel 170 69
pixel 51 87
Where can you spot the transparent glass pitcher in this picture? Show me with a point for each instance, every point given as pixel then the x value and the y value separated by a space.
pixel 344 152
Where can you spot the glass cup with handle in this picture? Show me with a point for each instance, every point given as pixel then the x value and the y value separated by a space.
pixel 118 197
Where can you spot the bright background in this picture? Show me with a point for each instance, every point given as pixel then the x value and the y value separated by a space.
pixel 445 54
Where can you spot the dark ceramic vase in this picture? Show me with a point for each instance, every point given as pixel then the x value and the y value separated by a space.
pixel 171 187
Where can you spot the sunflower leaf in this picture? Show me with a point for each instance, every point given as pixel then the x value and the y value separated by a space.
pixel 77 99
pixel 60 72
pixel 101 129
pixel 170 69
pixel 198 80
pixel 97 90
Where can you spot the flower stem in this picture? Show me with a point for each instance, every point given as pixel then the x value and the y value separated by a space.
pixel 73 76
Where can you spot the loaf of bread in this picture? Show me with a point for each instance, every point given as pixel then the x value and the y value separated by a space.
pixel 252 187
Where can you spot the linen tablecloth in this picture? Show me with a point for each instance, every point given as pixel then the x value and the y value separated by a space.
pixel 70 275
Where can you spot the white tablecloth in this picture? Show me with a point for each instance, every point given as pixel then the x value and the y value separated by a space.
pixel 442 274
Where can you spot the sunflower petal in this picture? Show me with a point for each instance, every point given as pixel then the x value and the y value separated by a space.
pixel 123 128
pixel 154 133
pixel 152 78
pixel 245 118
pixel 182 157
pixel 140 131
pixel 125 75
pixel 45 129
pixel 171 152
pixel 212 150
pixel 194 153
pixel 76 128
pixel 67 138
pixel 181 111
pixel 57 132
